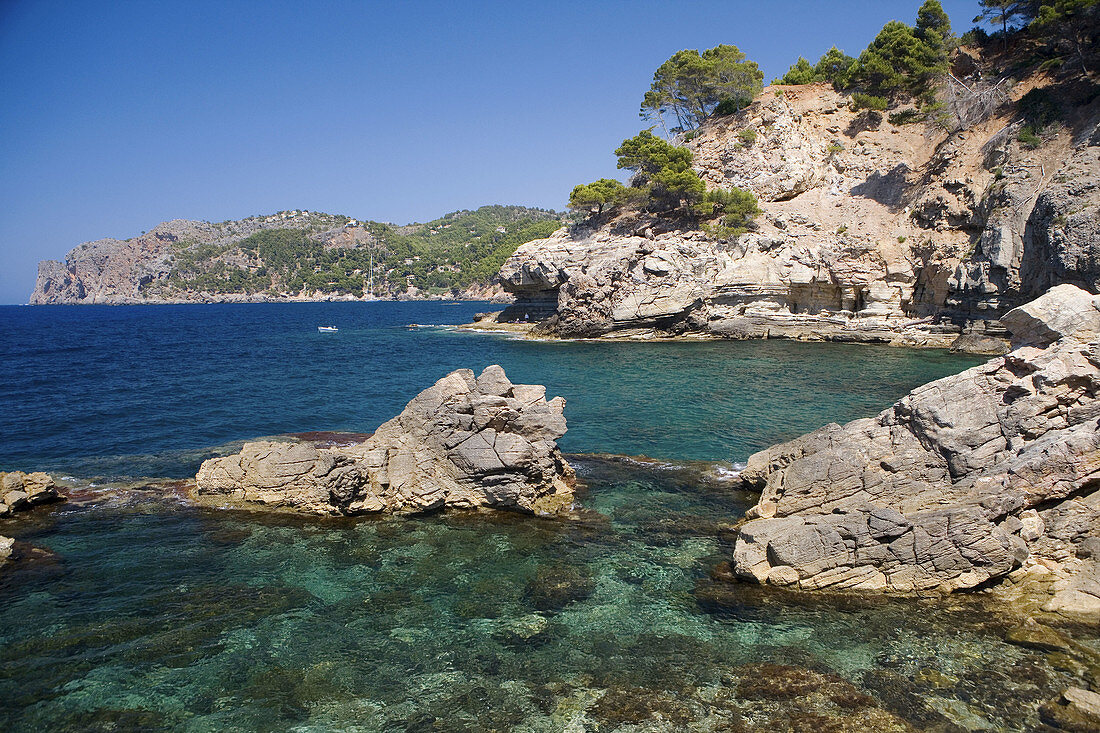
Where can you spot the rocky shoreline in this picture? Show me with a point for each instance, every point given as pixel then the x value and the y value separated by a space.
pixel 985 478
pixel 806 330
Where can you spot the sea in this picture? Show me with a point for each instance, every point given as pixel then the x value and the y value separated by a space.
pixel 133 609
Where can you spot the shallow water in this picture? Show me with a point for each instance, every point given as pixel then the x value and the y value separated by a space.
pixel 153 614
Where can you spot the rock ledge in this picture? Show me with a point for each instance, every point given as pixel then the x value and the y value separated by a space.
pixel 966 480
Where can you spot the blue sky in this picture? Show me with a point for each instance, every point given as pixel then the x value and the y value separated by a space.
pixel 119 115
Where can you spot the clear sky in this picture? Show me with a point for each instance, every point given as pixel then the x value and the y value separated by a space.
pixel 117 115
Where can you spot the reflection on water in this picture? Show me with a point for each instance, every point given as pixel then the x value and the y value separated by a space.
pixel 154 614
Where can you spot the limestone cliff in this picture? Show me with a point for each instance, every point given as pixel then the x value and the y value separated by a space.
pixel 873 228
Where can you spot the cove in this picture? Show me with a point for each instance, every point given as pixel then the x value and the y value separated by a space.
pixel 154 614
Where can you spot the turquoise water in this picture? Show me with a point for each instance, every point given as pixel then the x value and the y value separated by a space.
pixel 151 614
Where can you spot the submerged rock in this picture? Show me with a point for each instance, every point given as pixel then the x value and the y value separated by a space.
pixel 557 585
pixel 1078 710
pixel 958 484
pixel 465 442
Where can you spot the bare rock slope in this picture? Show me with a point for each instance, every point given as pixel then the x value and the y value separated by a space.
pixel 873 230
pixel 465 442
pixel 990 474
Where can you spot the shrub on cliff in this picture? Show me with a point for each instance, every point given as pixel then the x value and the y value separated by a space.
pixel 869 101
pixel 833 67
pixel 691 85
pixel 801 72
pixel 734 209
pixel 1039 108
pixel 725 107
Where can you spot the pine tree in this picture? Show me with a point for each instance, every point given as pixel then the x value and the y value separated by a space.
pixel 1002 12
pixel 833 66
pixel 690 85
pixel 934 27
pixel 802 72
pixel 904 59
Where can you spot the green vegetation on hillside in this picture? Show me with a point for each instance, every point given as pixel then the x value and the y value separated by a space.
pixel 908 62
pixel 832 67
pixel 902 61
pixel 1065 29
pixel 448 254
pixel 463 247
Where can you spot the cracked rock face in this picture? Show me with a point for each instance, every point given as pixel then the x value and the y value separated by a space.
pixel 465 442
pixel 961 482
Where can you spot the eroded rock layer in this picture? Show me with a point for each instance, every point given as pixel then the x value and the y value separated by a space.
pixel 465 442
pixel 960 483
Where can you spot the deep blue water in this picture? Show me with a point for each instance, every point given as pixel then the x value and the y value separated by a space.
pixel 152 614
pixel 83 385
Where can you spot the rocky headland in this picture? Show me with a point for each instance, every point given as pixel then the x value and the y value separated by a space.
pixel 874 228
pixel 986 479
pixel 295 256
pixel 466 442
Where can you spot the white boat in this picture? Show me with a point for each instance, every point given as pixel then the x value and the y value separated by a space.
pixel 327 329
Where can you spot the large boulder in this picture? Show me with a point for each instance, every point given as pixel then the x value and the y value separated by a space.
pixel 1064 311
pixel 959 483
pixel 465 442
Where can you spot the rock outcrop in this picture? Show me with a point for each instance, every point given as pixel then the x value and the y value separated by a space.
pixel 958 485
pixel 873 229
pixel 22 491
pixel 757 286
pixel 465 442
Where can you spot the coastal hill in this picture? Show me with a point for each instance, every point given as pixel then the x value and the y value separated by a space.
pixel 295 255
pixel 909 220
